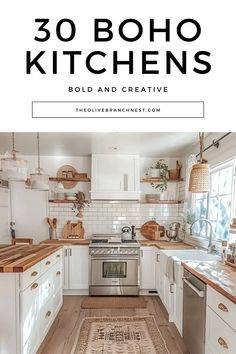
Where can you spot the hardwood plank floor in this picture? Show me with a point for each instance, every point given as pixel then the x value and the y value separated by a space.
pixel 63 333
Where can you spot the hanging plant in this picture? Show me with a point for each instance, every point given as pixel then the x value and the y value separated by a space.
pixel 79 204
pixel 163 170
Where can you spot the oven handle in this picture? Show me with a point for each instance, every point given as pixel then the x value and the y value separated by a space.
pixel 118 259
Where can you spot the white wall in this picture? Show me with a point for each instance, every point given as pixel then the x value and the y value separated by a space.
pixel 30 208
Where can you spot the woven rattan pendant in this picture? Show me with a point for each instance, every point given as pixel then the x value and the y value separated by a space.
pixel 199 181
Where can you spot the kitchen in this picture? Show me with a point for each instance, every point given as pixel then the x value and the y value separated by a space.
pixel 106 238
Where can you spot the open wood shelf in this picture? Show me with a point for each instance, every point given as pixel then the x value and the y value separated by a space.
pixel 162 202
pixel 61 179
pixel 158 180
pixel 64 201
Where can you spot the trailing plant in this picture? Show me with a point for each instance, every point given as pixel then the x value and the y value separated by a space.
pixel 162 166
pixel 79 204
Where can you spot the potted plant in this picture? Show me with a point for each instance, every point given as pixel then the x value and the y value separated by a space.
pixel 159 170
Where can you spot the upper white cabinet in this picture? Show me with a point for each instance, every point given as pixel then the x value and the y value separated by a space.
pixel 115 177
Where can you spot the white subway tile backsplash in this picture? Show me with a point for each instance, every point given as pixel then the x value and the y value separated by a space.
pixel 105 217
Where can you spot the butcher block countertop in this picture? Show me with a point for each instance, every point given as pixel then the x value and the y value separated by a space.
pixel 18 258
pixel 66 242
pixel 166 245
pixel 214 273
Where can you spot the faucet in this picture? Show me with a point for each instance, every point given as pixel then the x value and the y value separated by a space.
pixel 210 247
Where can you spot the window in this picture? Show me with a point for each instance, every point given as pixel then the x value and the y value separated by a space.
pixel 218 205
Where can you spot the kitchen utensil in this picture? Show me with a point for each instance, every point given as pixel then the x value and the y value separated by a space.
pixel 152 230
pixel 174 174
pixel 126 233
pixel 173 231
pixel 73 230
pixel 67 171
pixel 152 198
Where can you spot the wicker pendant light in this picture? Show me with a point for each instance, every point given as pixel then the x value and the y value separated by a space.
pixel 199 181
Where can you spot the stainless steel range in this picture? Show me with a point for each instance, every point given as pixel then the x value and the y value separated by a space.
pixel 114 266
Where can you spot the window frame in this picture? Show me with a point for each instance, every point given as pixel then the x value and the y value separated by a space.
pixel 214 169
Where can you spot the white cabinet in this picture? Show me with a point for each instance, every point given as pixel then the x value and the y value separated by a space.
pixel 29 303
pixel 147 268
pixel 4 216
pixel 115 177
pixel 76 268
pixel 220 324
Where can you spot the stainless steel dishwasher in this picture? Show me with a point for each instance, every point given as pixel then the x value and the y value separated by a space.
pixel 194 313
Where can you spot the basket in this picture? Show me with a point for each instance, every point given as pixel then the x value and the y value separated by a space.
pixel 199 178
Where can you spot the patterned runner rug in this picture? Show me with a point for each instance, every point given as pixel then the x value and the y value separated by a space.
pixel 120 335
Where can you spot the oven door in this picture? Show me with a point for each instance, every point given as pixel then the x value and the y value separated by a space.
pixel 121 272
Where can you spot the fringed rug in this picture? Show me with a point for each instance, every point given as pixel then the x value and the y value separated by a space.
pixel 113 302
pixel 120 335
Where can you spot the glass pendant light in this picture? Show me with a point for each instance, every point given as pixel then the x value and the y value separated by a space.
pixel 12 167
pixel 199 181
pixel 39 180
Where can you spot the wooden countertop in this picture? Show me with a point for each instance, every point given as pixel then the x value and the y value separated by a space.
pixel 166 245
pixel 18 258
pixel 159 244
pixel 66 242
pixel 214 273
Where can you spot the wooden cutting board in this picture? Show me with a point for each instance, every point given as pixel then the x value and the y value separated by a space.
pixel 73 230
pixel 152 230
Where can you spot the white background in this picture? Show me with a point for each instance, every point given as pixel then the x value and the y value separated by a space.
pixel 18 89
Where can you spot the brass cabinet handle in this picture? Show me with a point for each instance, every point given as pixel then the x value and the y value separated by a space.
pixel 223 343
pixel 58 273
pixel 33 274
pixel 48 262
pixel 48 314
pixel 58 255
pixel 34 286
pixel 222 307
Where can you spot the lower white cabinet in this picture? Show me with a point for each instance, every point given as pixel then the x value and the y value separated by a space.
pixel 29 303
pixel 76 267
pixel 220 324
pixel 147 268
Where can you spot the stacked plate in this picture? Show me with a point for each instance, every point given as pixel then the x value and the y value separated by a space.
pixel 71 196
pixel 152 198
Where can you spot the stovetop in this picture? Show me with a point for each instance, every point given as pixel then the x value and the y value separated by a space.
pixel 102 241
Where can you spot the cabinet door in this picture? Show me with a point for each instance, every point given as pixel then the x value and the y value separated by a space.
pixel 115 176
pixel 65 268
pixel 147 268
pixel 158 271
pixel 29 310
pixel 78 257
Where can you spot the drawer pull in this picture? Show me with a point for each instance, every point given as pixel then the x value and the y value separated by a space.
pixel 58 255
pixel 223 343
pixel 48 262
pixel 222 307
pixel 34 286
pixel 48 314
pixel 33 274
pixel 58 273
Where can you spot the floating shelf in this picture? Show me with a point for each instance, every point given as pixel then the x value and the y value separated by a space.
pixel 158 180
pixel 64 201
pixel 61 179
pixel 163 202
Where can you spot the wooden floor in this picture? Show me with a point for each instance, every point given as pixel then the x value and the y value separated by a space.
pixel 62 335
